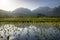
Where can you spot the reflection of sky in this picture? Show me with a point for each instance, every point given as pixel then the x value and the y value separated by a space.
pixel 32 32
pixel 31 4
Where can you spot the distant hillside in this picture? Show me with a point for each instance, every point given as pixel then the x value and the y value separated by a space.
pixel 23 12
pixel 4 14
pixel 56 11
pixel 43 10
pixel 38 12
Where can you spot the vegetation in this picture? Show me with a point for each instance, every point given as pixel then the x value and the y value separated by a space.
pixel 28 20
pixel 24 12
pixel 51 31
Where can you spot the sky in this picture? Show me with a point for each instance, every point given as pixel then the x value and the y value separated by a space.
pixel 10 5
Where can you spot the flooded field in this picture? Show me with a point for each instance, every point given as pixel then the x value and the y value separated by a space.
pixel 43 31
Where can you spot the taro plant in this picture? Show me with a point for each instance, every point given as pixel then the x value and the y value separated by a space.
pixel 57 26
pixel 8 37
pixel 37 34
pixel 27 35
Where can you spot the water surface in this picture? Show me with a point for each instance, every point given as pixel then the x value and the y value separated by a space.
pixel 29 32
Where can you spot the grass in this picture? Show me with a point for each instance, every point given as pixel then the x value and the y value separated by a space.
pixel 29 20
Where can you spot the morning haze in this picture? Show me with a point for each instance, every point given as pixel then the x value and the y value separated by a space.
pixel 10 5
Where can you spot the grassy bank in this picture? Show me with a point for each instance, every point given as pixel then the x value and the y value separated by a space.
pixel 29 20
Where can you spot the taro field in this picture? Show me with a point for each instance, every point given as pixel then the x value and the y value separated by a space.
pixel 43 31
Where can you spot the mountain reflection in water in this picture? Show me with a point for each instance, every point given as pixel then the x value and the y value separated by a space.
pixel 29 32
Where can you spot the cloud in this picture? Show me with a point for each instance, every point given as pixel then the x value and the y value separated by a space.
pixel 31 4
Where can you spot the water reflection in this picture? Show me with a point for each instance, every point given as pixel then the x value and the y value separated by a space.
pixel 29 32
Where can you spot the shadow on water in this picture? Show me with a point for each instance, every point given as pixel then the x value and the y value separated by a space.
pixel 29 32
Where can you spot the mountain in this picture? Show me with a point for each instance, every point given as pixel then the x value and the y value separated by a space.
pixel 56 11
pixel 43 10
pixel 4 14
pixel 38 12
pixel 23 12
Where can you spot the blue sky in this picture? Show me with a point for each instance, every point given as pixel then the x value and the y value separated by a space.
pixel 10 5
pixel 50 3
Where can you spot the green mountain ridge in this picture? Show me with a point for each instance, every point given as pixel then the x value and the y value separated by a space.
pixel 24 12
